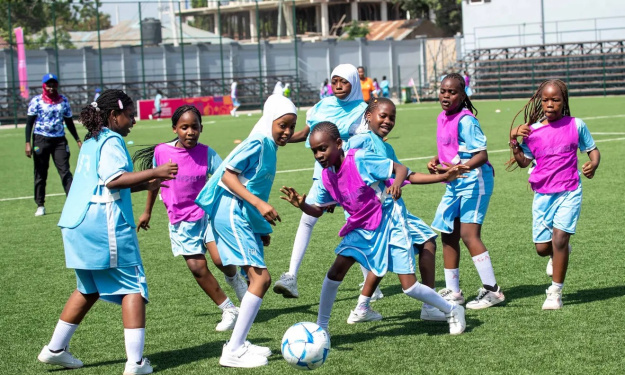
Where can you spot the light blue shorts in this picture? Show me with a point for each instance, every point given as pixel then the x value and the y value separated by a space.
pixel 190 237
pixel 235 102
pixel 419 230
pixel 113 283
pixel 236 242
pixel 558 210
pixel 470 210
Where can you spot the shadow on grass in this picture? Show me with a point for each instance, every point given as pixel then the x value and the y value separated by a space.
pixel 593 295
pixel 524 291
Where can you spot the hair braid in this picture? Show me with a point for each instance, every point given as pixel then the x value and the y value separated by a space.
pixel 466 102
pixel 326 127
pixel 95 118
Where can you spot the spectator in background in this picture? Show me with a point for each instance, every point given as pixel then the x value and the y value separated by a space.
pixel 235 100
pixel 326 89
pixel 47 112
pixel 278 89
pixel 157 105
pixel 467 81
pixel 287 90
pixel 366 85
pixel 384 86
pixel 376 88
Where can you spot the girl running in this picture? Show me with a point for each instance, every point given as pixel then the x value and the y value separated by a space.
pixel 461 212
pixel 345 109
pixel 235 199
pixel 550 138
pixel 376 233
pixel 189 229
pixel 99 234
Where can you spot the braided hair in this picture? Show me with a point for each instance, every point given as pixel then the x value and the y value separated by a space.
pixel 466 102
pixel 326 127
pixel 533 111
pixel 143 158
pixel 374 103
pixel 95 116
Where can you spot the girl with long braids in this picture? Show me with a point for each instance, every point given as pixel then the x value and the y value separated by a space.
pixel 463 207
pixel 189 228
pixel 98 231
pixel 551 137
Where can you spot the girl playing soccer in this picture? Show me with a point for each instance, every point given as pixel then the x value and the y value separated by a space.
pixel 98 231
pixel 461 212
pixel 189 229
pixel 380 120
pixel 551 137
pixel 376 233
pixel 345 109
pixel 235 199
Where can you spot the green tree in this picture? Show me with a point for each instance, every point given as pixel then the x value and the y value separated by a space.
pixel 448 13
pixel 202 22
pixel 356 30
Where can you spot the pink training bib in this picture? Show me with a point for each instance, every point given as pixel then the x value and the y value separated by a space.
pixel 447 136
pixel 357 198
pixel 554 146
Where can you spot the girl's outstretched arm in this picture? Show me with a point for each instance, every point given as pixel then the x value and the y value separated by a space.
pixel 149 179
pixel 299 201
pixel 591 166
pixel 454 172
pixel 301 135
pixel 231 180
pixel 401 172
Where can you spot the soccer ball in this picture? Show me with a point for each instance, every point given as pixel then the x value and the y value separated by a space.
pixel 305 346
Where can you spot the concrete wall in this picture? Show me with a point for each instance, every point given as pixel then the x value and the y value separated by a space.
pixel 508 23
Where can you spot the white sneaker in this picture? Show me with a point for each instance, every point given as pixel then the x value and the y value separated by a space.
pixel 287 286
pixel 360 316
pixel 554 298
pixel 449 295
pixel 377 293
pixel 238 285
pixel 63 358
pixel 244 358
pixel 150 117
pixel 485 298
pixel 549 269
pixel 41 210
pixel 133 368
pixel 228 319
pixel 256 349
pixel 432 313
pixel 456 320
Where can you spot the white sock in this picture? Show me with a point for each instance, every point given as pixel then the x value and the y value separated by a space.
pixel 365 272
pixel 452 279
pixel 227 304
pixel 250 304
pixel 429 296
pixel 326 301
pixel 363 303
pixel 62 334
pixel 485 269
pixel 559 285
pixel 230 279
pixel 302 238
pixel 134 340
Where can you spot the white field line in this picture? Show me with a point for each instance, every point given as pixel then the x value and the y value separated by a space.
pixel 310 169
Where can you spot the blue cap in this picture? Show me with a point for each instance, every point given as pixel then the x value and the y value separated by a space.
pixel 48 77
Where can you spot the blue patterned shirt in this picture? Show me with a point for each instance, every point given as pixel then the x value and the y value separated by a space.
pixel 50 117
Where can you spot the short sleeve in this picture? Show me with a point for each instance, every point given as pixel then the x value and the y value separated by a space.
pixel 154 164
pixel 113 160
pixel 357 141
pixel 471 138
pixel 372 167
pixel 319 196
pixel 246 158
pixel 214 161
pixel 67 109
pixel 526 151
pixel 33 106
pixel 586 142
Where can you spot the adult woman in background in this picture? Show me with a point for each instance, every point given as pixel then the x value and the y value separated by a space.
pixel 47 112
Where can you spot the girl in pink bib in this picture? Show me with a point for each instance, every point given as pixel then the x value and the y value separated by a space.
pixel 551 138
pixel 189 228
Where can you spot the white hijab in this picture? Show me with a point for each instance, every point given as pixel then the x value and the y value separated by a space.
pixel 278 89
pixel 275 107
pixel 350 73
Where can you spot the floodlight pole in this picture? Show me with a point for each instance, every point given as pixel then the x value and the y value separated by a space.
pixel 260 66
pixel 184 75
pixel 12 65
pixel 296 54
pixel 542 19
pixel 56 46
pixel 97 12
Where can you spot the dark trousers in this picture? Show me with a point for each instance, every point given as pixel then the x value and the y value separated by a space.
pixel 43 148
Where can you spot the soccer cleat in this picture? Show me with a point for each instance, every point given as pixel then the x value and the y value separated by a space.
pixel 228 319
pixel 63 358
pixel 244 357
pixel 485 298
pixel 287 286
pixel 456 320
pixel 554 298
pixel 259 350
pixel 133 368
pixel 451 296
pixel 41 210
pixel 238 285
pixel 432 313
pixel 361 316
pixel 550 267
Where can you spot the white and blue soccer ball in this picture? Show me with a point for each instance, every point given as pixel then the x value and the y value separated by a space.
pixel 305 346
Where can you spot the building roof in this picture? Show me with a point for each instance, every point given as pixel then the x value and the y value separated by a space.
pixel 402 29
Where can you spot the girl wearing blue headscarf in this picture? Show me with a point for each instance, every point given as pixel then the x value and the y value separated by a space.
pixel 346 110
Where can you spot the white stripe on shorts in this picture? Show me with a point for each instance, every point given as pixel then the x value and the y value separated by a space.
pixel 234 230
pixel 110 223
pixel 477 207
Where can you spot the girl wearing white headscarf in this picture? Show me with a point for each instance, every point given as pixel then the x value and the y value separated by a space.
pixel 278 89
pixel 346 110
pixel 235 199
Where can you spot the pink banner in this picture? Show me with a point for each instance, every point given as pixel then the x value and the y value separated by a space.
pixel 207 105
pixel 21 62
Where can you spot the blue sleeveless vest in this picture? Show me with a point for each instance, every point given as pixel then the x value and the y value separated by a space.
pixel 259 185
pixel 86 181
